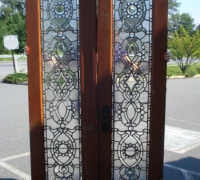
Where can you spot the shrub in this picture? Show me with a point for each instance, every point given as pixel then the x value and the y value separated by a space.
pixel 198 69
pixel 190 73
pixel 16 78
pixel 184 48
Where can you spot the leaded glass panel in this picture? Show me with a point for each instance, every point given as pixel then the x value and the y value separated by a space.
pixel 131 88
pixel 61 88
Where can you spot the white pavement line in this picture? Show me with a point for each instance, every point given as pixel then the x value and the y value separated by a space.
pixel 181 140
pixel 181 169
pixel 15 171
pixel 182 151
pixel 187 175
pixel 183 121
pixel 15 157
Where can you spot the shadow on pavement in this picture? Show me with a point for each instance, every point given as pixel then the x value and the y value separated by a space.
pixel 185 168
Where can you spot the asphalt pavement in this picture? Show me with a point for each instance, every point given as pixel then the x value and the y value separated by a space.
pixel 14 132
pixel 6 67
pixel 182 137
pixel 182 159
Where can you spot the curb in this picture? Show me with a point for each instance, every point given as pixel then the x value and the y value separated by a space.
pixel 175 77
pixel 23 83
pixel 181 77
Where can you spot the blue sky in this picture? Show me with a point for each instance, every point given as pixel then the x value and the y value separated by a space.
pixel 192 7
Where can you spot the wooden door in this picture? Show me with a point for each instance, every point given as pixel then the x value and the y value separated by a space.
pixel 135 69
pixel 97 100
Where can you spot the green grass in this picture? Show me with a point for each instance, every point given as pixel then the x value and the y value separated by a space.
pixel 6 59
pixel 175 70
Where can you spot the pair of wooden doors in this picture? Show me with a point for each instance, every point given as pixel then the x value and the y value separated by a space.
pixel 97 88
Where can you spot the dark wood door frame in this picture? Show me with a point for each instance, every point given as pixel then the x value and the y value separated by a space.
pixel 104 86
pixel 158 89
pixel 88 61
pixel 35 90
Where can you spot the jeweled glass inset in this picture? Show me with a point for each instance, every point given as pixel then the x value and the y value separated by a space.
pixel 132 51
pixel 60 9
pixel 132 9
pixel 131 88
pixel 61 89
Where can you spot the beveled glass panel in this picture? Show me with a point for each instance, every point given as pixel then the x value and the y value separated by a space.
pixel 61 88
pixel 131 88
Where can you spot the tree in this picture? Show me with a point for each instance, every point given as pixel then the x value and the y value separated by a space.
pixel 11 7
pixel 197 28
pixel 173 6
pixel 177 20
pixel 185 49
pixel 12 19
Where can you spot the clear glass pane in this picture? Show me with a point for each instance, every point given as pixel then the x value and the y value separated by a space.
pixel 61 88
pixel 131 88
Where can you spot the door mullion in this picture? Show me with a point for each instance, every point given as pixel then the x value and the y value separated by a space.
pixel 104 86
pixel 158 89
pixel 88 89
pixel 104 91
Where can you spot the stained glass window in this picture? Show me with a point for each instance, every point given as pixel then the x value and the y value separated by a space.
pixel 131 88
pixel 61 88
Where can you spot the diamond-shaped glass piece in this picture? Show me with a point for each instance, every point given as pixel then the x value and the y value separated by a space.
pixel 131 82
pixel 61 80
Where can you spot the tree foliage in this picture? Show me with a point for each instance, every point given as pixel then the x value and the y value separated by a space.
pixel 173 6
pixel 12 20
pixel 197 28
pixel 175 19
pixel 185 20
pixel 185 49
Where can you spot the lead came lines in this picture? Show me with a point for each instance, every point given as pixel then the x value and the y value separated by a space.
pixel 131 96
pixel 61 89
